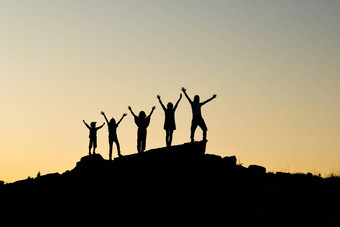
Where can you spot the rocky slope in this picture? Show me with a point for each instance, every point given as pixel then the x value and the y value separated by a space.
pixel 164 187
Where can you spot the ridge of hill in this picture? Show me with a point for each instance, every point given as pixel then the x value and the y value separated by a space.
pixel 180 185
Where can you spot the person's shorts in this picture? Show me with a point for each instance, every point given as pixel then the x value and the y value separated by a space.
pixel 93 143
pixel 112 139
pixel 198 121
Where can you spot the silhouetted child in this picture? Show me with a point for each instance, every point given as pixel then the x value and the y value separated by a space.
pixel 142 123
pixel 169 123
pixel 93 135
pixel 197 119
pixel 112 126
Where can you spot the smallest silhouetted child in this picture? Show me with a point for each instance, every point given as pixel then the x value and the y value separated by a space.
pixel 93 135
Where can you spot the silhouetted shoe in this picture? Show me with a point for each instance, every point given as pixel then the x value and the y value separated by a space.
pixel 192 140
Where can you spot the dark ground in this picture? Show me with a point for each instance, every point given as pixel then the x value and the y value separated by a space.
pixel 178 187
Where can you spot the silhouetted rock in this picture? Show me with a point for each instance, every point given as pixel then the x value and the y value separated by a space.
pixel 187 151
pixel 167 186
pixel 230 161
pixel 213 158
pixel 90 161
pixel 48 177
pixel 257 170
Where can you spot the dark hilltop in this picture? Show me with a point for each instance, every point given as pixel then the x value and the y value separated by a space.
pixel 174 186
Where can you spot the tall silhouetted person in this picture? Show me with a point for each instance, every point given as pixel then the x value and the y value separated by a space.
pixel 142 121
pixel 112 126
pixel 197 119
pixel 169 123
pixel 93 135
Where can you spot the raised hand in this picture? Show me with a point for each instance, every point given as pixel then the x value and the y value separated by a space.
pixel 159 97
pixel 102 112
pixel 183 89
pixel 214 96
pixel 153 108
pixel 125 114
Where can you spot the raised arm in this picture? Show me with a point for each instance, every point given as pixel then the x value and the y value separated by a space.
pixel 186 95
pixel 214 96
pixel 180 97
pixel 153 108
pixel 160 101
pixel 86 124
pixel 121 119
pixel 105 117
pixel 101 126
pixel 133 114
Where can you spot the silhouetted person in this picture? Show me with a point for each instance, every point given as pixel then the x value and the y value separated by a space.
pixel 93 135
pixel 112 126
pixel 169 123
pixel 142 121
pixel 197 119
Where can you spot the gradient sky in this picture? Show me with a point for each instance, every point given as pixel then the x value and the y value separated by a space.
pixel 274 66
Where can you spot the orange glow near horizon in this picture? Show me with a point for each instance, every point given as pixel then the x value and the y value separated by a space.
pixel 273 66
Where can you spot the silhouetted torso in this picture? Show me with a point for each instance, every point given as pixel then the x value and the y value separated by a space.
pixel 112 131
pixel 142 123
pixel 93 133
pixel 196 109
pixel 169 123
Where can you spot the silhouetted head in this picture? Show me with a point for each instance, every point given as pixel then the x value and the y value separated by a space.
pixel 142 114
pixel 112 121
pixel 93 124
pixel 196 99
pixel 170 106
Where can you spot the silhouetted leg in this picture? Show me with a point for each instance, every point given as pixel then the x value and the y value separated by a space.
pixel 170 137
pixel 140 137
pixel 118 148
pixel 139 142
pixel 94 145
pixel 192 136
pixel 143 144
pixel 204 135
pixel 90 146
pixel 167 138
pixel 204 128
pixel 193 129
pixel 110 150
pixel 143 139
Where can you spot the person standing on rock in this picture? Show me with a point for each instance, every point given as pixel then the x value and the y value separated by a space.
pixel 112 126
pixel 142 121
pixel 197 119
pixel 169 123
pixel 93 135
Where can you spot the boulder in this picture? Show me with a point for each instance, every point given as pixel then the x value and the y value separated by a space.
pixel 230 161
pixel 90 163
pixel 257 170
